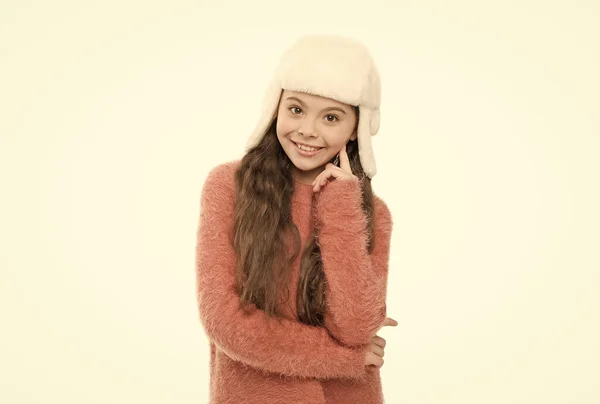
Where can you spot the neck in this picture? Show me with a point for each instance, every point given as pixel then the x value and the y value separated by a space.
pixel 306 177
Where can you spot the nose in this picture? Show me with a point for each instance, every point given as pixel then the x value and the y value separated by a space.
pixel 307 127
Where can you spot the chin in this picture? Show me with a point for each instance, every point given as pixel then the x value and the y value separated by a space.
pixel 303 166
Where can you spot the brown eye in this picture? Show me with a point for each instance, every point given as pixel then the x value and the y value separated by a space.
pixel 293 108
pixel 334 116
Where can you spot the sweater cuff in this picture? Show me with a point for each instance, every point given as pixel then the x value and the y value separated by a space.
pixel 341 200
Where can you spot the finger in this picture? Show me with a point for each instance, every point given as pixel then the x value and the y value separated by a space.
pixel 379 341
pixel 322 179
pixel 344 160
pixel 316 179
pixel 377 350
pixel 316 183
pixel 375 360
pixel 390 321
pixel 337 172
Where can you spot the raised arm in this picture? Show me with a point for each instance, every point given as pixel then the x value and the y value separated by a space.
pixel 356 281
pixel 274 345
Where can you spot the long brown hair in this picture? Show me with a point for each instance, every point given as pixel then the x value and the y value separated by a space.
pixel 263 227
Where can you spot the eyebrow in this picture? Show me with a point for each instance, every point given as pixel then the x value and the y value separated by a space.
pixel 303 104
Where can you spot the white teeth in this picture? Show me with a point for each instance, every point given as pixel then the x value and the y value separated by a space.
pixel 305 148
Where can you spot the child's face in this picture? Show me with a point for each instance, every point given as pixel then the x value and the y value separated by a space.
pixel 315 121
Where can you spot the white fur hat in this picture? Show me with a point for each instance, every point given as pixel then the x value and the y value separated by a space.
pixel 334 67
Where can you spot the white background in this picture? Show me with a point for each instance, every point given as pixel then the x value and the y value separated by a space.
pixel 113 112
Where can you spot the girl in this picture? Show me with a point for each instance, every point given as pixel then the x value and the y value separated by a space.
pixel 293 245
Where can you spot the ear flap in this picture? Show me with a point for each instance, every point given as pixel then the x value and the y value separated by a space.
pixel 375 122
pixel 368 121
pixel 269 111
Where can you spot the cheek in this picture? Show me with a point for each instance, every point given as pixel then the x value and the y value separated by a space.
pixel 284 127
pixel 342 135
pixel 336 141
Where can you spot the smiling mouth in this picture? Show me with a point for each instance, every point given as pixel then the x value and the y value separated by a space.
pixel 306 148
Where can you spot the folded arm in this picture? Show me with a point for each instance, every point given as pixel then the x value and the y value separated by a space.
pixel 274 345
pixel 356 281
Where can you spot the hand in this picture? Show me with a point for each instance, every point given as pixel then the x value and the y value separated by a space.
pixel 375 351
pixel 389 321
pixel 331 171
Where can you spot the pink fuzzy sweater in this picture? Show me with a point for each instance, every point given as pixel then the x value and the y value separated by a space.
pixel 257 359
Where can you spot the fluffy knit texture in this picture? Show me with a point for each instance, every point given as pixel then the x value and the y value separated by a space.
pixel 259 359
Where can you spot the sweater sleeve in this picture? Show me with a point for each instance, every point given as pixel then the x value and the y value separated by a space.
pixel 356 281
pixel 270 344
